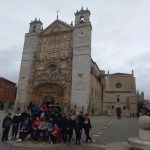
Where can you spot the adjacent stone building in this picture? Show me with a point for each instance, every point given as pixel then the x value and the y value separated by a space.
pixel 120 92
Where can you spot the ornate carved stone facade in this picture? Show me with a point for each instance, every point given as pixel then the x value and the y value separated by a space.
pixel 52 65
pixel 56 63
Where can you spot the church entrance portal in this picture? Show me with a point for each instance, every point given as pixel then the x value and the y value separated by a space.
pixel 52 94
pixel 49 100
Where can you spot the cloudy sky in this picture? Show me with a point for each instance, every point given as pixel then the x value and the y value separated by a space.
pixel 120 36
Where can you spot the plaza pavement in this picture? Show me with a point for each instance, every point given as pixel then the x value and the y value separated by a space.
pixel 114 137
pixel 107 133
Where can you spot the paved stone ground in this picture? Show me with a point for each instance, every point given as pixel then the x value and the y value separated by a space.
pixel 118 146
pixel 105 131
pixel 119 130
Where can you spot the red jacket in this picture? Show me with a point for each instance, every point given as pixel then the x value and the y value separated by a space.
pixel 56 132
pixel 45 109
pixel 36 124
pixel 87 123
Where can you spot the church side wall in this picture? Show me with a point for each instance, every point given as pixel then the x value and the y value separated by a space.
pixel 80 82
pixel 95 96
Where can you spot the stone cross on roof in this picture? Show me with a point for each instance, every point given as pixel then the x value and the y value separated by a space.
pixel 57 13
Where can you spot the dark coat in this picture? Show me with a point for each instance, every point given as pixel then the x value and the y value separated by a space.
pixel 57 120
pixel 7 122
pixel 81 120
pixel 26 126
pixel 69 123
pixel 24 115
pixel 63 123
pixel 16 119
pixel 36 111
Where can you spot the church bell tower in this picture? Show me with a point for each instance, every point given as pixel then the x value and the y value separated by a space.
pixel 81 66
pixel 29 49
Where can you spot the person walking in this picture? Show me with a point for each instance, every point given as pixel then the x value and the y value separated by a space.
pixel 118 111
pixel 7 122
pixel 87 127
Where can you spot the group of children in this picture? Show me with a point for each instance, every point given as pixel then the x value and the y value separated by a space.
pixel 46 124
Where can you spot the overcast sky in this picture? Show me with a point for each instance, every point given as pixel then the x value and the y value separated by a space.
pixel 120 36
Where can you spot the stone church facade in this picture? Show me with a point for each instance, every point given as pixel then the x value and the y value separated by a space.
pixel 57 66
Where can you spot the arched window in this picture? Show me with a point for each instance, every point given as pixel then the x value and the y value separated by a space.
pixel 53 67
pixel 81 19
pixel 34 28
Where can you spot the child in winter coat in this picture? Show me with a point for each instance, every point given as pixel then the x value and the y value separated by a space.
pixel 15 124
pixel 36 111
pixel 36 129
pixel 50 128
pixel 43 130
pixel 57 134
pixel 7 122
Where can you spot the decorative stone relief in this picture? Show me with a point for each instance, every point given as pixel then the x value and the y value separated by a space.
pixel 52 64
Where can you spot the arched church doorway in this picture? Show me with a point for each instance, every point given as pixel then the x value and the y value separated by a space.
pixel 48 100
pixel 50 93
pixel 50 103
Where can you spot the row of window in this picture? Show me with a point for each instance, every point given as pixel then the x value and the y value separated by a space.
pixel 8 84
pixel 9 93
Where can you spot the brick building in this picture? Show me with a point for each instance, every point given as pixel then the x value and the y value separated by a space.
pixel 7 91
